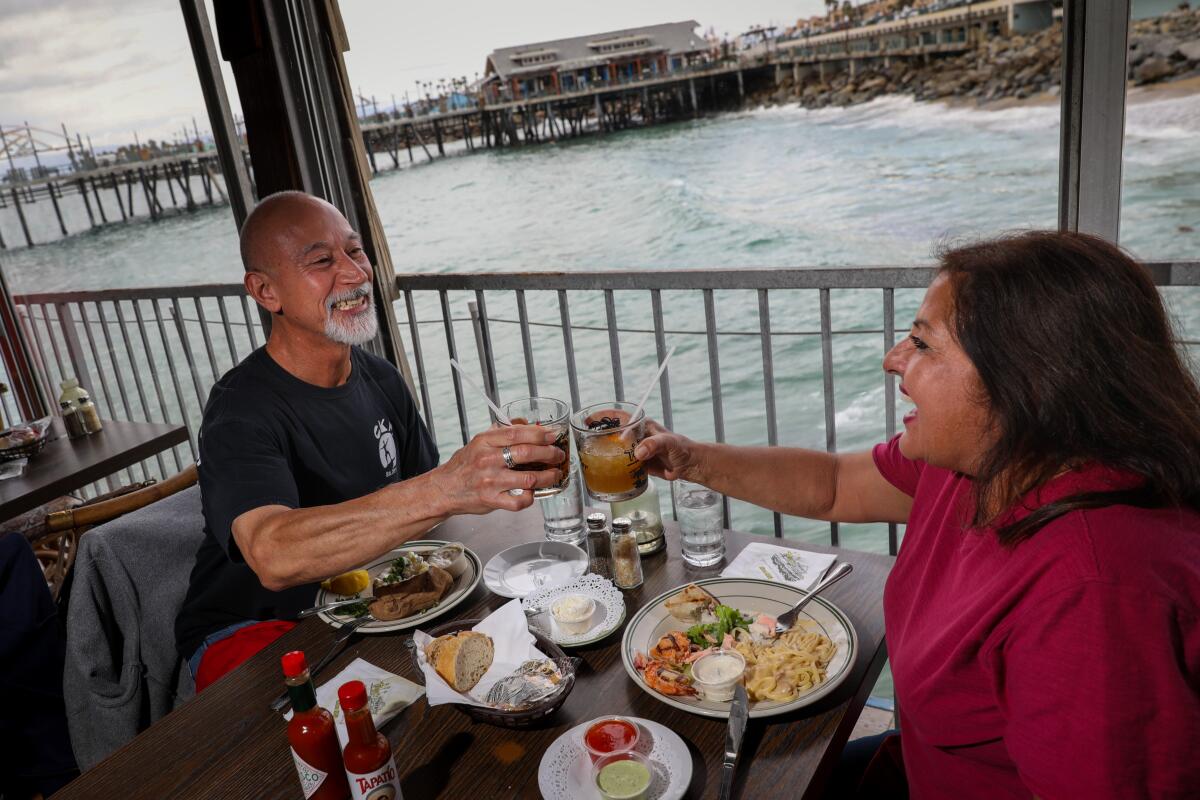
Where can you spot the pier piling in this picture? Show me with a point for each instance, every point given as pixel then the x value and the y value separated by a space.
pixel 99 204
pixel 117 191
pixel 16 196
pixel 87 204
pixel 53 192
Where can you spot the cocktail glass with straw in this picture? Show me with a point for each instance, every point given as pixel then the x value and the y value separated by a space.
pixel 605 437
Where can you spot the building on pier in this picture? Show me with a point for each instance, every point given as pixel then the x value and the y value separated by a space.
pixel 601 59
pixel 945 27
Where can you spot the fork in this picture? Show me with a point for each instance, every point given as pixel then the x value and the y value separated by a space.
pixel 788 618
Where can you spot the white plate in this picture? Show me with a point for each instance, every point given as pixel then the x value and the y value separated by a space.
pixel 463 586
pixel 522 570
pixel 748 595
pixel 566 771
pixel 607 617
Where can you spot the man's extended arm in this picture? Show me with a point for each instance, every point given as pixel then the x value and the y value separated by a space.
pixel 292 546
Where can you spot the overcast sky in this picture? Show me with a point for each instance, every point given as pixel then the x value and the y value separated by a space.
pixel 111 67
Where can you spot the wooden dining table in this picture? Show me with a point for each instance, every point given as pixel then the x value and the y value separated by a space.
pixel 64 465
pixel 226 743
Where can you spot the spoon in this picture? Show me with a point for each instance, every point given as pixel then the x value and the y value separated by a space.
pixel 786 620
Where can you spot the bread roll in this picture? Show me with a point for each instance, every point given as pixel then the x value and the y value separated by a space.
pixel 461 658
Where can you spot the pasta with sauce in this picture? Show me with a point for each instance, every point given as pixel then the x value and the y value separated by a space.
pixel 785 667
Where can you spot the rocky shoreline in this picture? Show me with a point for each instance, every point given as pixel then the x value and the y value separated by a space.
pixel 1161 50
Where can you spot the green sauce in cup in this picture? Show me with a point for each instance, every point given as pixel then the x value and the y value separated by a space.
pixel 624 776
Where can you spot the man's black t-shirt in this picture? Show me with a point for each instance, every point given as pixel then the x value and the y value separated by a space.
pixel 269 438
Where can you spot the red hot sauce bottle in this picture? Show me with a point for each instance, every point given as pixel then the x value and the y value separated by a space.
pixel 370 767
pixel 313 736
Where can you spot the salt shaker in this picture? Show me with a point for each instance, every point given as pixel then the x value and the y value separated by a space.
pixel 626 560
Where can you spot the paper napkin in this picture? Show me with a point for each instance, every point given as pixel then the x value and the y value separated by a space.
pixel 387 694
pixel 514 645
pixel 799 568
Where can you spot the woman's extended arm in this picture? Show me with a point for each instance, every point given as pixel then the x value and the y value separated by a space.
pixel 805 483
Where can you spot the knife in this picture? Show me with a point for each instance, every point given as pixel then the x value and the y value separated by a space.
pixel 281 702
pixel 739 710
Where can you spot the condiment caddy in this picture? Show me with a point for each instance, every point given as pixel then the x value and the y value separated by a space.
pixel 79 413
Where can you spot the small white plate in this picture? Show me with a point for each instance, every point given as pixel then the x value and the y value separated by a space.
pixel 566 771
pixel 607 617
pixel 522 570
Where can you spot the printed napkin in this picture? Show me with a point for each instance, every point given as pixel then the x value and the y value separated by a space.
pixel 799 568
pixel 514 645
pixel 387 694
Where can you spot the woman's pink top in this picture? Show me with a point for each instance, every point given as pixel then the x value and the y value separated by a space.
pixel 1068 667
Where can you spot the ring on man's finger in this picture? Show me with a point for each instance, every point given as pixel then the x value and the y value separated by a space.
pixel 508 459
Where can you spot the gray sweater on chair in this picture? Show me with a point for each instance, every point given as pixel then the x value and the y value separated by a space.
pixel 122 669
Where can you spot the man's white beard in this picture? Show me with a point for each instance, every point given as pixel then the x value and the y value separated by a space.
pixel 359 329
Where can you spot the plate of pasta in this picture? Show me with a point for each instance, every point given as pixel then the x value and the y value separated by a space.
pixel 735 618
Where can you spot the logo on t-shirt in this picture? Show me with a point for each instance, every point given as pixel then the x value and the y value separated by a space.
pixel 387 447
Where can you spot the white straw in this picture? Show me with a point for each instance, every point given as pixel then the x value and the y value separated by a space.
pixel 653 383
pixel 500 415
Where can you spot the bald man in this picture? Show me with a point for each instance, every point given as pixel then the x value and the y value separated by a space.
pixel 312 457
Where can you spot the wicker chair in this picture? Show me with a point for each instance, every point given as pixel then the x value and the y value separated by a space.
pixel 54 543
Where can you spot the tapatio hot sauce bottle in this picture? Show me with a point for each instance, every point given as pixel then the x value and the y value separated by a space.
pixel 313 736
pixel 370 767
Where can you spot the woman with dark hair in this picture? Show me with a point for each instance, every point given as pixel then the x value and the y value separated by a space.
pixel 1043 614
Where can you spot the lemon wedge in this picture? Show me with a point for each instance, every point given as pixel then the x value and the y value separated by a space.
pixel 348 583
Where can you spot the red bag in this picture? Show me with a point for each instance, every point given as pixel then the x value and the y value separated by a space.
pixel 229 653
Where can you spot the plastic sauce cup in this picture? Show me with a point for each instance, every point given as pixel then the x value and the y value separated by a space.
pixel 608 736
pixel 622 776
pixel 715 675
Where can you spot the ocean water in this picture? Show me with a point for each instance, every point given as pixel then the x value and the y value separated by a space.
pixel 888 182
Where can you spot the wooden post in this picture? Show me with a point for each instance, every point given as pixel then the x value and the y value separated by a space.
pixel 692 91
pixel 369 141
pixel 117 191
pixel 57 211
pixel 86 202
pixel 408 141
pixel 21 215
pixel 129 191
pixel 168 173
pixel 99 204
pixel 741 86
pixel 146 194
pixel 206 182
pixel 185 182
pixel 437 134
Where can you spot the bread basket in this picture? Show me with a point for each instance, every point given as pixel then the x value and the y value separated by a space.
pixel 24 440
pixel 507 719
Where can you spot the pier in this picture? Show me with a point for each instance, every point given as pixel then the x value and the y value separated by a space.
pixel 547 102
pixel 117 193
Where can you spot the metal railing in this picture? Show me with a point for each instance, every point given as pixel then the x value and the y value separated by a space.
pixel 144 354
pixel 775 356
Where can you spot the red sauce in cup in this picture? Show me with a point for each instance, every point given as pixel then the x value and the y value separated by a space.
pixel 612 735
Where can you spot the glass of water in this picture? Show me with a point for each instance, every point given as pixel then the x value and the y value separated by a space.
pixel 698 510
pixel 563 513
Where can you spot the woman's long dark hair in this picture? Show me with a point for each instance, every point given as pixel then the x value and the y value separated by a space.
pixel 1077 357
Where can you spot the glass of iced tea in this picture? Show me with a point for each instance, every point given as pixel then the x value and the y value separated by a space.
pixel 605 435
pixel 548 413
